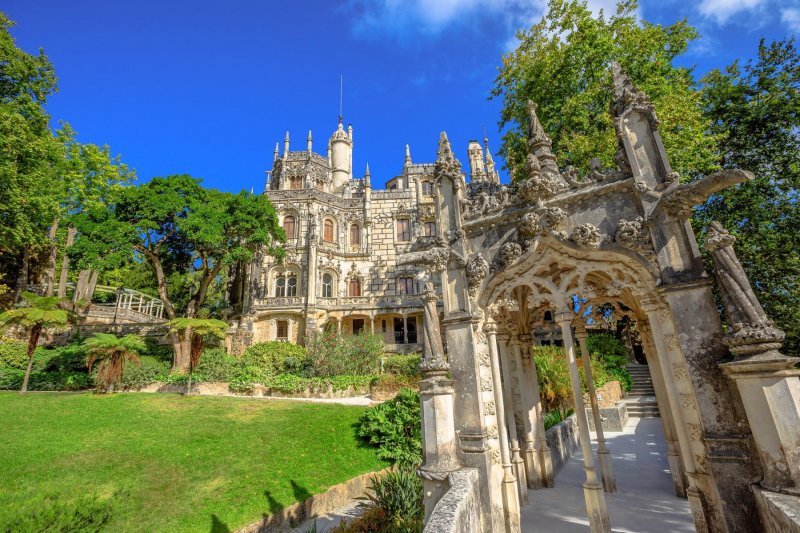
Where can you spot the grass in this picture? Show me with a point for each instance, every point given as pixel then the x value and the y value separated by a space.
pixel 174 463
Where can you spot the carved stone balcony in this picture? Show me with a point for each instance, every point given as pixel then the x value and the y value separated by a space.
pixel 279 301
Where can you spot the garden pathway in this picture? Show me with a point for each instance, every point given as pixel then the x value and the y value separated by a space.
pixel 644 501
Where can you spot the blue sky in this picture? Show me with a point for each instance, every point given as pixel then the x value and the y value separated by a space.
pixel 207 87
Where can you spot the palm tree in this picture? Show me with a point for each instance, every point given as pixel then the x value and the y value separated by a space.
pixel 37 313
pixel 197 330
pixel 112 353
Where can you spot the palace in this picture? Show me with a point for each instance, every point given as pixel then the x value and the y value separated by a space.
pixel 343 240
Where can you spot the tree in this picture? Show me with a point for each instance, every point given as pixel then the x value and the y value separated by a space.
pixel 178 227
pixel 563 65
pixel 757 106
pixel 200 329
pixel 112 354
pixel 39 313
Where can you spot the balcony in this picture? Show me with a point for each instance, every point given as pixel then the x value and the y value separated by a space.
pixel 278 301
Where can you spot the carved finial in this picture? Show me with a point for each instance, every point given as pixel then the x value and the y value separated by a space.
pixel 275 154
pixel 309 140
pixel 750 331
pixel 627 97
pixel 367 177
pixel 446 163
pixel 286 144
pixel 408 157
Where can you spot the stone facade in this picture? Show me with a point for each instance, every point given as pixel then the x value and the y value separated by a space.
pixel 344 241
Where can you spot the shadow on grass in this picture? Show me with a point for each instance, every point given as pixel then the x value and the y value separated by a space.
pixel 301 493
pixel 218 526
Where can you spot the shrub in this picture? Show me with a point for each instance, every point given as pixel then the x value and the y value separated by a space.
pixel 241 385
pixel 394 427
pixel 399 495
pixel 151 370
pixel 215 365
pixel 331 354
pixel 70 358
pixel 276 357
pixel 11 379
pixel 614 356
pixel 553 375
pixel 551 418
pixel 13 353
pixel 288 383
pixel 402 365
pixel 56 513
pixel 344 382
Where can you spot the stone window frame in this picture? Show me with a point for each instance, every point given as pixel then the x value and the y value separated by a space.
pixel 402 283
pixel 334 284
pixel 409 230
pixel 325 221
pixel 285 272
pixel 354 282
pixel 282 324
pixel 429 224
pixel 427 184
pixel 360 234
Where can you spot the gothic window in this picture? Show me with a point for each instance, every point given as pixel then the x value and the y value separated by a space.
pixel 403 226
pixel 327 231
pixel 291 286
pixel 354 287
pixel 295 183
pixel 282 328
pixel 327 286
pixel 355 235
pixel 430 229
pixel 280 286
pixel 289 227
pixel 427 188
pixel 405 285
pixel 548 316
pixel 321 185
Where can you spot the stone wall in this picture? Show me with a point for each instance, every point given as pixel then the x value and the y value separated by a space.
pixel 779 512
pixel 457 510
pixel 563 441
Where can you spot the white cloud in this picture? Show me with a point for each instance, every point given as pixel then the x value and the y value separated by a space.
pixel 722 10
pixel 791 17
pixel 404 18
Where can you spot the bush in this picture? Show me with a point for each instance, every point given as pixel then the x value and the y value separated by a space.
pixel 331 354
pixel 276 357
pixel 402 365
pixel 553 375
pixel 70 358
pixel 151 370
pixel 399 495
pixel 55 513
pixel 614 356
pixel 394 427
pixel 556 416
pixel 215 365
pixel 11 379
pixel 13 354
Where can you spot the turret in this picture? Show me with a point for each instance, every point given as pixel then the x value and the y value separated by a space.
pixel 341 157
pixel 476 165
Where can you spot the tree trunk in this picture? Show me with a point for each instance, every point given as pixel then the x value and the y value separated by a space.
pixel 183 354
pixel 62 282
pixel 33 340
pixel 189 383
pixel 22 278
pixel 49 280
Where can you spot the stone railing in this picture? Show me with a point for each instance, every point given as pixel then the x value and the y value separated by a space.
pixel 458 509
pixel 375 301
pixel 279 301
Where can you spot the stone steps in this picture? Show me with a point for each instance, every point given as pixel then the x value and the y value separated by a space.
pixel 641 400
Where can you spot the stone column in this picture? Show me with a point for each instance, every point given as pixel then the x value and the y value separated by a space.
pixel 439 450
pixel 517 463
pixel 541 459
pixel 405 328
pixel 509 485
pixel 603 455
pixel 667 416
pixel 592 489
pixel 681 423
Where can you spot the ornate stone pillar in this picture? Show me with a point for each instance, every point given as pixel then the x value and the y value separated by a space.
pixel 603 455
pixel 592 489
pixel 439 450
pixel 767 380
pixel 684 423
pixel 517 463
pixel 541 459
pixel 667 416
pixel 509 485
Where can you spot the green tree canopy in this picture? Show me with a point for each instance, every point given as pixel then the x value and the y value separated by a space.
pixel 756 105
pixel 563 65
pixel 110 354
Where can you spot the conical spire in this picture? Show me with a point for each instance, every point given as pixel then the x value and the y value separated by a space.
pixel 408 157
pixel 286 145
pixel 367 177
pixel 539 143
pixel 446 163
pixel 627 96
pixel 275 154
pixel 309 141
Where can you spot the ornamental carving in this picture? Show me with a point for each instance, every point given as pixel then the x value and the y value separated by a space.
pixel 496 457
pixel 679 371
pixel 483 199
pixel 489 409
pixel 484 360
pixel 530 225
pixel 587 235
pixel 634 235
pixel 510 252
pixel 686 401
pixel 695 432
pixel 614 288
pixel 477 269
pixel 446 166
pixel 492 433
pixel 486 385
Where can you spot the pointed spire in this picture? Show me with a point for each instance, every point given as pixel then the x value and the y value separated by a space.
pixel 446 163
pixel 350 131
pixel 275 154
pixel 407 161
pixel 535 130
pixel 539 143
pixel 367 177
pixel 627 96
pixel 286 145
pixel 309 141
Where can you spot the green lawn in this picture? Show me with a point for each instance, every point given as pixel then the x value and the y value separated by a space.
pixel 175 463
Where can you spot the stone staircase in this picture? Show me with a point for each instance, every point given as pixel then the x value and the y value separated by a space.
pixel 641 400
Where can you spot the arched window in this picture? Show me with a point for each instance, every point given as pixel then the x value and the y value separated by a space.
pixel 327 286
pixel 355 235
pixel 280 286
pixel 548 316
pixel 289 227
pixel 327 231
pixel 291 286
pixel 427 188
pixel 295 182
pixel 354 287
pixel 406 285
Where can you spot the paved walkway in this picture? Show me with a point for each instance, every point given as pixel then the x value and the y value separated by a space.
pixel 644 501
